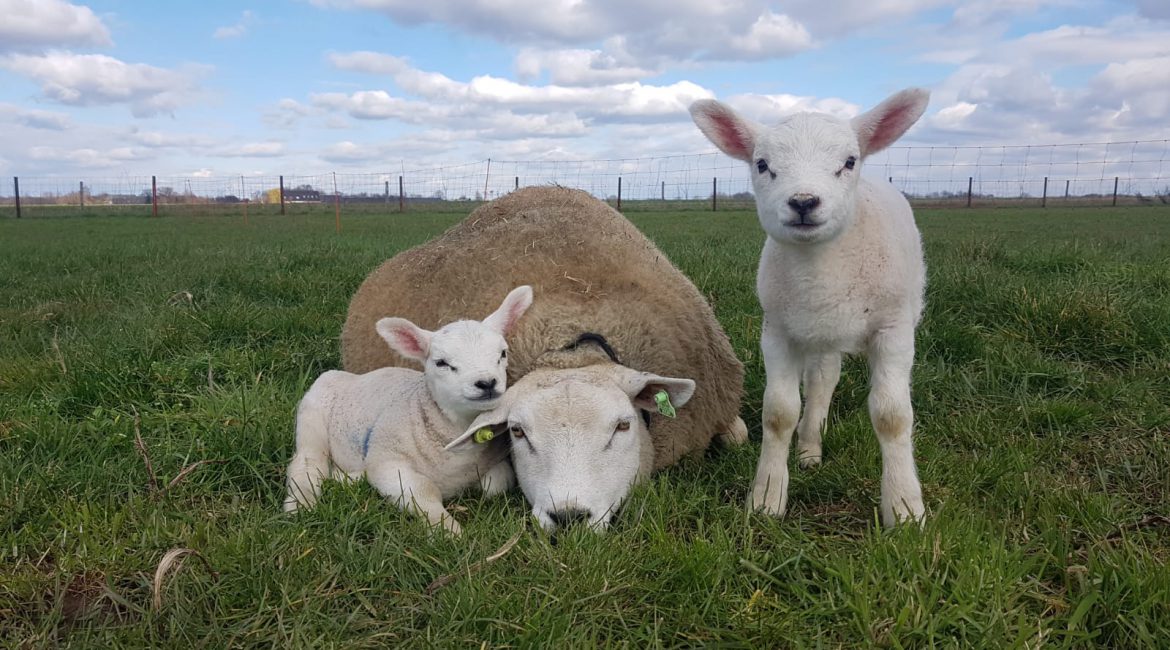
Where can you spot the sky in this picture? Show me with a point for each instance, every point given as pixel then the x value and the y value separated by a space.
pixel 220 88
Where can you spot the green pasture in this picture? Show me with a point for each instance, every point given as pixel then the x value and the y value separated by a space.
pixel 1042 395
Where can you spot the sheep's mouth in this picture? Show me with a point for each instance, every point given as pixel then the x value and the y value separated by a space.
pixel 803 225
pixel 486 397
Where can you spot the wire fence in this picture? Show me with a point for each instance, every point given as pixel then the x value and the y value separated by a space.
pixel 1088 174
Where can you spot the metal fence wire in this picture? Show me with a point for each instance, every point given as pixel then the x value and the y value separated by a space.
pixel 1105 173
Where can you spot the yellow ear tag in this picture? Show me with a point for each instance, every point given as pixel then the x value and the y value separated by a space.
pixel 484 435
pixel 662 399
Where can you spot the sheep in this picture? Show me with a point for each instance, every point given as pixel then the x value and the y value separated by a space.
pixel 391 424
pixel 604 288
pixel 841 272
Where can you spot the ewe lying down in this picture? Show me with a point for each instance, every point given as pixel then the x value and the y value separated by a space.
pixel 841 273
pixel 573 412
pixel 392 424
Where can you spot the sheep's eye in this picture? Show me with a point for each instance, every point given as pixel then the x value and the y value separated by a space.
pixel 442 363
pixel 624 425
pixel 850 162
pixel 762 165
pixel 503 354
pixel 516 430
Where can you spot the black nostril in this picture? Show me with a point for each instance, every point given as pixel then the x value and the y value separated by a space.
pixel 486 384
pixel 566 517
pixel 803 203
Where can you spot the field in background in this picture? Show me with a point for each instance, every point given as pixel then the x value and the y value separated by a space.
pixel 1042 391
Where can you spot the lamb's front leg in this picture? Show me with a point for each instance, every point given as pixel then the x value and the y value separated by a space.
pixel 410 490
pixel 891 357
pixel 499 479
pixel 781 410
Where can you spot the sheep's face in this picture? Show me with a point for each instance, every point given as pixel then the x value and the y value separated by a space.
pixel 465 362
pixel 579 441
pixel 806 168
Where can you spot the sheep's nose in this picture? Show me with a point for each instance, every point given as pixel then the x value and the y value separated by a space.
pixel 803 203
pixel 486 384
pixel 568 516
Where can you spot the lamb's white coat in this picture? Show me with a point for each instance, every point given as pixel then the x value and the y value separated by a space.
pixel 841 272
pixel 391 424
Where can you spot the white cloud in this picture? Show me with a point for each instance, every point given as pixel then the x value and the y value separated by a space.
pixel 30 24
pixel 270 149
pixel 36 119
pixel 770 36
pixel 1157 9
pixel 96 79
pixel 577 67
pixel 237 30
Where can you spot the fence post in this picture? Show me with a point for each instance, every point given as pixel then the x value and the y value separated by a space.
pixel 153 196
pixel 16 189
pixel 336 205
pixel 619 205
pixel 244 199
pixel 891 179
pixel 1066 182
pixel 1116 179
pixel 486 175
pixel 81 194
pixel 970 182
pixel 282 195
pixel 663 190
pixel 714 192
pixel 401 204
pixel 517 182
pixel 1044 197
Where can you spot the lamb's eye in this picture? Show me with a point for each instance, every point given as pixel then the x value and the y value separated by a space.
pixel 762 165
pixel 850 162
pixel 503 354
pixel 442 363
pixel 624 425
pixel 516 430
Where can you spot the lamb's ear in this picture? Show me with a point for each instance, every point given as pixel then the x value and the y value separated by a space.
pixel 886 122
pixel 643 388
pixel 515 304
pixel 495 421
pixel 734 135
pixel 405 338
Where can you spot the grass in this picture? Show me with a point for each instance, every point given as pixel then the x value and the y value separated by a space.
pixel 1042 391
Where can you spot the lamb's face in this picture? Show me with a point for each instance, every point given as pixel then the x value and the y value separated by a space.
pixel 465 362
pixel 579 442
pixel 804 173
pixel 466 367
pixel 805 169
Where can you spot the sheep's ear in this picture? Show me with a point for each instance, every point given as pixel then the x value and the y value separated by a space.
pixel 515 304
pixel 494 421
pixel 734 135
pixel 643 388
pixel 405 338
pixel 886 122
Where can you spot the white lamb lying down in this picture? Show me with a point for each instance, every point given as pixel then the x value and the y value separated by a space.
pixel 391 424
pixel 841 273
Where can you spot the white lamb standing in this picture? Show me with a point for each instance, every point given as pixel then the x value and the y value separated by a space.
pixel 392 424
pixel 841 273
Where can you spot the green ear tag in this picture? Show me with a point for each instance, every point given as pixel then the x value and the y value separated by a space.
pixel 662 399
pixel 484 435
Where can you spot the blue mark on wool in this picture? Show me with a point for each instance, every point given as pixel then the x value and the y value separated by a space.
pixel 366 442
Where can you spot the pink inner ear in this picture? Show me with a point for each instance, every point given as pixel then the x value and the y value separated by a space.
pixel 408 343
pixel 889 128
pixel 730 135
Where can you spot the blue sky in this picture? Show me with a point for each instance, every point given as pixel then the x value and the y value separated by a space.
pixel 222 88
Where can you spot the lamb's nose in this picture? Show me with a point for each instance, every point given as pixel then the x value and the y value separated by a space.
pixel 486 384
pixel 567 516
pixel 803 203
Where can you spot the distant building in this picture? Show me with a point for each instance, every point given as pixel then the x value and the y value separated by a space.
pixel 302 196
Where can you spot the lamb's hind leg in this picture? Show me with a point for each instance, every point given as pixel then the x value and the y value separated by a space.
pixel 410 490
pixel 781 410
pixel 310 464
pixel 891 356
pixel 821 374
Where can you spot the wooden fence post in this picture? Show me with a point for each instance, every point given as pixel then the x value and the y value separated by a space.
pixel 1044 197
pixel 153 196
pixel 401 200
pixel 970 182
pixel 1116 179
pixel 619 205
pixel 16 189
pixel 282 195
pixel 81 194
pixel 714 193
